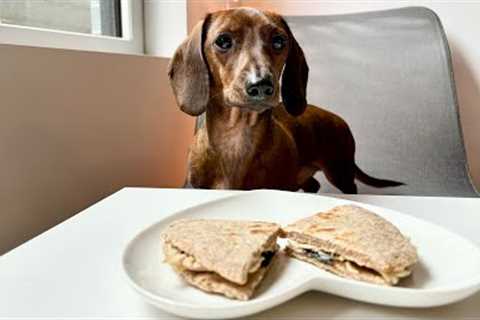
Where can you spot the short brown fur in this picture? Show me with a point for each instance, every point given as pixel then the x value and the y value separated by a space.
pixel 267 144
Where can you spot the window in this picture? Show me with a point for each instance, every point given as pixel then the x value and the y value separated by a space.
pixel 98 25
pixel 100 17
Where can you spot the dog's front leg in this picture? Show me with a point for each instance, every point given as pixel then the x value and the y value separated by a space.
pixel 187 184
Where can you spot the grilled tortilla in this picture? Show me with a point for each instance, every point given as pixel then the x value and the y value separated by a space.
pixel 221 256
pixel 354 243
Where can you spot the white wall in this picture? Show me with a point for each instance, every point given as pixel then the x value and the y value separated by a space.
pixel 165 26
pixel 461 20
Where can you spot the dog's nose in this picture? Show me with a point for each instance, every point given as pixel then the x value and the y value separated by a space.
pixel 260 90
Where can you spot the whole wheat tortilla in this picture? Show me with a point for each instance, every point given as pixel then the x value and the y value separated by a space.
pixel 357 235
pixel 228 248
pixel 212 282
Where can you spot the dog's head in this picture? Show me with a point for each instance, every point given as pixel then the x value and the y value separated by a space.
pixel 238 58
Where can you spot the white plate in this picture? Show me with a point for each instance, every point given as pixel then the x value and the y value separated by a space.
pixel 448 270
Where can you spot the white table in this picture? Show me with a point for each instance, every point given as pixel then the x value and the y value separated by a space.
pixel 74 269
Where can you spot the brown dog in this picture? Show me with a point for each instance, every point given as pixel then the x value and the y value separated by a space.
pixel 230 68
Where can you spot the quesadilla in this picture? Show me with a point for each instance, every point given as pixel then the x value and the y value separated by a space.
pixel 352 242
pixel 221 256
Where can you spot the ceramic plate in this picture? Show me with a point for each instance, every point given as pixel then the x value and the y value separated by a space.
pixel 448 268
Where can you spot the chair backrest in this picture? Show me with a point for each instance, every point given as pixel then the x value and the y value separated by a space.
pixel 389 75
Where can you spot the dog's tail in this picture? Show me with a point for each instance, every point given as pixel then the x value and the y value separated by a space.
pixel 374 182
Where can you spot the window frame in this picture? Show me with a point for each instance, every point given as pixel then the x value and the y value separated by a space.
pixel 131 41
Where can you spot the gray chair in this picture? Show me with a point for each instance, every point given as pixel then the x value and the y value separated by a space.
pixel 389 75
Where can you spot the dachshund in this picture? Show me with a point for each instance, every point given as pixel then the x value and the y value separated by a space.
pixel 229 70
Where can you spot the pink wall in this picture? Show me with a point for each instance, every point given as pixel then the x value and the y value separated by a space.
pixel 77 126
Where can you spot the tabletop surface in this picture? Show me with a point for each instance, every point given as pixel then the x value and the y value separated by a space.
pixel 74 269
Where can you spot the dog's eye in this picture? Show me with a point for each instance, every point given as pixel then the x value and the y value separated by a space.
pixel 278 42
pixel 224 42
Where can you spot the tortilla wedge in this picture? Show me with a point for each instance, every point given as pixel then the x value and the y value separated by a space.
pixel 352 242
pixel 221 256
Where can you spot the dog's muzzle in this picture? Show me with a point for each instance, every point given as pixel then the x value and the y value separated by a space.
pixel 261 90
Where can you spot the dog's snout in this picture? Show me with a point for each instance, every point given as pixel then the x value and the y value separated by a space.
pixel 260 90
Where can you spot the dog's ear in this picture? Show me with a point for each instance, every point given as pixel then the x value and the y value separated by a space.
pixel 295 77
pixel 188 72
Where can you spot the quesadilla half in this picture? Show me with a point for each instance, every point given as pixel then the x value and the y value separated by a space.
pixel 352 242
pixel 221 256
